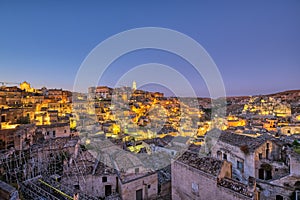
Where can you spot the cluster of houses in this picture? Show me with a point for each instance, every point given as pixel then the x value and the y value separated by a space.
pixel 139 145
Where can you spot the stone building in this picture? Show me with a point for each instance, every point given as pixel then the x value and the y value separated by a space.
pixel 100 92
pixel 274 165
pixel 138 186
pixel 21 137
pixel 97 180
pixel 101 180
pixel 267 106
pixel 233 121
pixel 54 130
pixel 56 94
pixel 17 115
pixel 18 138
pixel 13 96
pixel 283 188
pixel 258 157
pixel 26 87
pixel 195 177
pixel 290 130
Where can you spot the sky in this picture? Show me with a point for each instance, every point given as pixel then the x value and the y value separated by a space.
pixel 255 44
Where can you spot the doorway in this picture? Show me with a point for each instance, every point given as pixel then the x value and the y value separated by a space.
pixel 261 174
pixel 107 190
pixel 139 194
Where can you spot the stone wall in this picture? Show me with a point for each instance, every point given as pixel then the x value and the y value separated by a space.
pixel 190 183
pixel 148 184
pixel 235 154
pixel 93 185
pixel 274 155
pixel 165 190
pixel 295 164
pixel 290 130
pixel 269 191
pixel 55 130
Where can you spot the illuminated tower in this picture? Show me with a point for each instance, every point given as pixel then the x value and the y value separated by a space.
pixel 134 85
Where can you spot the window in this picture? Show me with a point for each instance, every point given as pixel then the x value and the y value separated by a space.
pixel 104 179
pixel 195 188
pixel 219 154
pixel 268 145
pixel 54 133
pixel 65 131
pixel 261 174
pixel 268 175
pixel 279 197
pixel 260 155
pixel 240 166
pixel 136 170
pixel 149 186
pixel 77 187
pixel 225 156
pixel 267 153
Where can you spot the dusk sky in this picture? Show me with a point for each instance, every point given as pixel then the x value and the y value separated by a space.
pixel 255 44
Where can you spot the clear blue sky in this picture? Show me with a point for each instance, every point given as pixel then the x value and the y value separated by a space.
pixel 255 44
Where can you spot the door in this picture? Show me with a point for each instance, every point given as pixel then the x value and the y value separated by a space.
pixel 261 174
pixel 268 174
pixel 139 194
pixel 107 190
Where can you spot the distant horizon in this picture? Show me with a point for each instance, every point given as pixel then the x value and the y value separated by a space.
pixel 148 90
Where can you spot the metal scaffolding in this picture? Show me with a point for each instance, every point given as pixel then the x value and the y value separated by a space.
pixel 32 169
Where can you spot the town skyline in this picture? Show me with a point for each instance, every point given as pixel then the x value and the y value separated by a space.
pixel 144 88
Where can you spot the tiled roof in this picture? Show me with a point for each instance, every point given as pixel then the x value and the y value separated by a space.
pixel 206 164
pixel 241 140
pixel 235 186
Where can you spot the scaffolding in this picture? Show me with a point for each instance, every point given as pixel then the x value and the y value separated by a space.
pixel 32 169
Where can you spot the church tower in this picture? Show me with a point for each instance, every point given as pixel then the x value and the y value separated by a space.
pixel 134 85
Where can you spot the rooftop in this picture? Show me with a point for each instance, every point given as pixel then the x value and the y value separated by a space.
pixel 241 140
pixel 287 181
pixel 53 125
pixel 235 186
pixel 206 164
